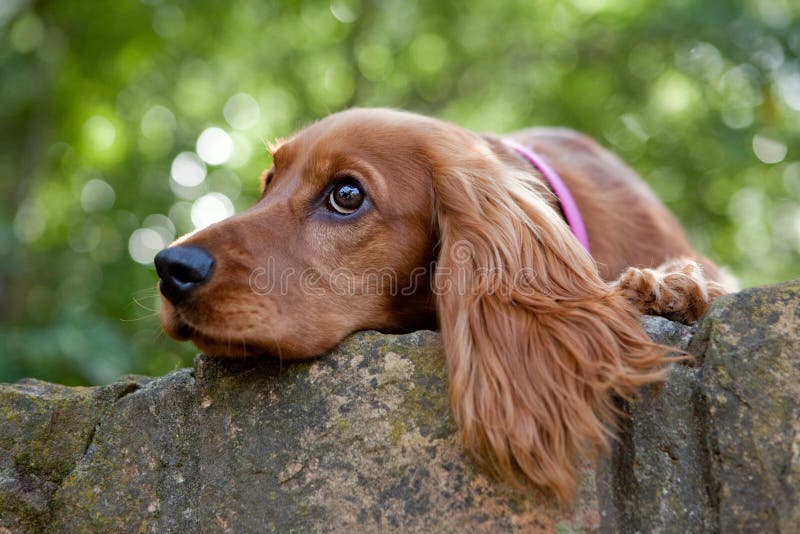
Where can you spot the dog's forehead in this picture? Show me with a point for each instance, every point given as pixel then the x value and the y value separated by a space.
pixel 333 143
pixel 374 128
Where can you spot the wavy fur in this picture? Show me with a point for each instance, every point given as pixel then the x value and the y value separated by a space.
pixel 537 343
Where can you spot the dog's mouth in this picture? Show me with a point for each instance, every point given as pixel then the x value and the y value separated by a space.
pixel 226 346
pixel 185 332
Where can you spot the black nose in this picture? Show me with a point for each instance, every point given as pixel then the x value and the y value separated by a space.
pixel 182 269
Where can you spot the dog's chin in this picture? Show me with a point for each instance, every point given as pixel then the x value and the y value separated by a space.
pixel 227 346
pixel 222 349
pixel 243 348
pixel 179 329
pixel 233 344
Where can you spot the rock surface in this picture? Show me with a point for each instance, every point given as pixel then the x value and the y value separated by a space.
pixel 362 439
pixel 719 449
pixel 359 439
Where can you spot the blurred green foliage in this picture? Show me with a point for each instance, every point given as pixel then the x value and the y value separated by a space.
pixel 102 102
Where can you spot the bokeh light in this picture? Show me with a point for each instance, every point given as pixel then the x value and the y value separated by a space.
pixel 144 244
pixel 769 150
pixel 214 146
pixel 29 223
pixel 169 21
pixel 100 132
pixel 27 33
pixel 242 111
pixel 344 11
pixel 162 225
pixel 158 122
pixel 209 209
pixel 97 195
pixel 188 170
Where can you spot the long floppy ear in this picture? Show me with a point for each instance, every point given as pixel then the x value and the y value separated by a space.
pixel 536 342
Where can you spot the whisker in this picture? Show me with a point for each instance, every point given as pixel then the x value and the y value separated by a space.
pixel 152 290
pixel 139 302
pixel 147 317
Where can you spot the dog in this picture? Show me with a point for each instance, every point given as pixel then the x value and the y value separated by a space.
pixel 534 254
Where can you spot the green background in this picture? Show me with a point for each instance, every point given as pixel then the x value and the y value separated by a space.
pixel 98 98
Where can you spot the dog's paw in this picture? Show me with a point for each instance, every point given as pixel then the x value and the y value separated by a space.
pixel 676 290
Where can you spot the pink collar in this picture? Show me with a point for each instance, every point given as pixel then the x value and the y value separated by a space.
pixel 571 212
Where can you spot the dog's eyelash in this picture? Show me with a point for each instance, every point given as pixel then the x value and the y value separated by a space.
pixel 266 180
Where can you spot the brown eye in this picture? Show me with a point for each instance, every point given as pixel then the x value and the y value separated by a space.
pixel 345 198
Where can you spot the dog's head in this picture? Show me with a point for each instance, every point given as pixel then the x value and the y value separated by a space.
pixel 341 240
pixel 378 219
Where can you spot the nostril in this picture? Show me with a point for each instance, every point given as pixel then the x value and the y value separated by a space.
pixel 182 269
pixel 187 273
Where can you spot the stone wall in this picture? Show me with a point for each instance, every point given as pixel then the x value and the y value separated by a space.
pixel 363 439
pixel 718 450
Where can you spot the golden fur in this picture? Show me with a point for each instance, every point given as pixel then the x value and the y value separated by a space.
pixel 538 336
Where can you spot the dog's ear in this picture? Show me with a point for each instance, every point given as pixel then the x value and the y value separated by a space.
pixel 536 343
